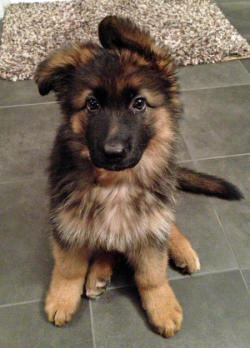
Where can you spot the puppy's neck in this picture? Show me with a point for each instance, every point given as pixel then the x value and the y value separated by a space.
pixel 106 178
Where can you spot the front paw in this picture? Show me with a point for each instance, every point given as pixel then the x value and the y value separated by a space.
pixel 59 310
pixel 167 320
pixel 163 309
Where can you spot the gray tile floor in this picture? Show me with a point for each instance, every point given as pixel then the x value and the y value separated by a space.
pixel 216 301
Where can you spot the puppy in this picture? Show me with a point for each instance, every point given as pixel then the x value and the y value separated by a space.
pixel 113 174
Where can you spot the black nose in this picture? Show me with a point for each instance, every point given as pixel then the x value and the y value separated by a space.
pixel 115 149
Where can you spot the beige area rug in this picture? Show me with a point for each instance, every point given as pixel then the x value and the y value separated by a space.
pixel 196 31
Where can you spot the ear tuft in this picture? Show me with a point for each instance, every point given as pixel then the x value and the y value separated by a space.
pixel 108 33
pixel 118 33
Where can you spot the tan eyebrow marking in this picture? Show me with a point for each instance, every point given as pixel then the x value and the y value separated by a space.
pixel 154 98
pixel 80 100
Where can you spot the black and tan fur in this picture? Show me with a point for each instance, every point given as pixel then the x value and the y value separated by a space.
pixel 113 172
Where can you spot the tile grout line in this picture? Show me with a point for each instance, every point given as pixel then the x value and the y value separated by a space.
pixel 225 234
pixel 211 158
pixel 92 324
pixel 222 156
pixel 188 149
pixel 245 282
pixel 204 88
pixel 245 68
pixel 181 277
pixel 206 273
pixel 24 105
pixel 18 303
pixel 111 288
pixel 245 268
pixel 184 161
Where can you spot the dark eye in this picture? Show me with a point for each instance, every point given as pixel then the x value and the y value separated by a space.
pixel 92 104
pixel 139 104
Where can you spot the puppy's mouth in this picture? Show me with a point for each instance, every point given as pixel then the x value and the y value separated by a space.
pixel 116 166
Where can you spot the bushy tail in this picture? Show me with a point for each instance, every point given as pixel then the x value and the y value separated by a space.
pixel 192 181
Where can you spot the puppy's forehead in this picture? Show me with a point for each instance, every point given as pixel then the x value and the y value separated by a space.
pixel 117 77
pixel 116 70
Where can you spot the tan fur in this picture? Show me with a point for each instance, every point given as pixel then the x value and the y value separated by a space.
pixel 66 284
pixel 164 133
pixel 181 251
pixel 130 77
pixel 131 60
pixel 80 99
pixel 100 273
pixel 160 144
pixel 78 122
pixel 154 98
pixel 158 299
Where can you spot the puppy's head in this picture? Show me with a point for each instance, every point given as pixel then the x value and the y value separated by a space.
pixel 119 101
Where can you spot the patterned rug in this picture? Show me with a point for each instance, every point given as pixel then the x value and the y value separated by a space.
pixel 196 31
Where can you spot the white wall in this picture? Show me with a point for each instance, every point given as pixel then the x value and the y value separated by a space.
pixel 4 3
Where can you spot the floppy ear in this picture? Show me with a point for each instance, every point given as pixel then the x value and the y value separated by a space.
pixel 55 71
pixel 119 33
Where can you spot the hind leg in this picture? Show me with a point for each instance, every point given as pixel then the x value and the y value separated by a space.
pixel 99 274
pixel 181 251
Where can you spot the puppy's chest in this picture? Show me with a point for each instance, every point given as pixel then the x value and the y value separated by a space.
pixel 110 206
pixel 112 218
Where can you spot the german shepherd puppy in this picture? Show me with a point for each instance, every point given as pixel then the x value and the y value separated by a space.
pixel 113 172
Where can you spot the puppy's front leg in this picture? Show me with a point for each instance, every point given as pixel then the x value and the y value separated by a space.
pixel 66 284
pixel 158 299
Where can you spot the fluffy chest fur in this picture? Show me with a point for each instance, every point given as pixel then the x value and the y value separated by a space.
pixel 118 217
